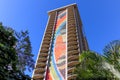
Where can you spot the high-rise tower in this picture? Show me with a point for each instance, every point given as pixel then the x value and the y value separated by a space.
pixel 63 41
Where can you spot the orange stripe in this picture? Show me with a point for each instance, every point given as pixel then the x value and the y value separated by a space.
pixel 60 21
pixel 59 47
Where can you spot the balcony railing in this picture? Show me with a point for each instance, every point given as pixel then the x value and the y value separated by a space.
pixel 72 76
pixel 72 47
pixel 43 59
pixel 73 52
pixel 40 65
pixel 38 77
pixel 73 58
pixel 39 70
pixel 72 63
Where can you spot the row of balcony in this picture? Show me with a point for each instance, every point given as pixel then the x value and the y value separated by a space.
pixel 39 71
pixel 41 63
pixel 72 45
pixel 43 57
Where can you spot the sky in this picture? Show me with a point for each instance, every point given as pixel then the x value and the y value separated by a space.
pixel 100 18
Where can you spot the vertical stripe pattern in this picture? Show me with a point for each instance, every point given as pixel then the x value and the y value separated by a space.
pixel 57 69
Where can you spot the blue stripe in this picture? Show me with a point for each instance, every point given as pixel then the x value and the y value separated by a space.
pixel 53 57
pixel 59 28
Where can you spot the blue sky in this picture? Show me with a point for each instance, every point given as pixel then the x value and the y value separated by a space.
pixel 101 19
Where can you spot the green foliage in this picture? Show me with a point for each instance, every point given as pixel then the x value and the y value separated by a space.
pixel 8 57
pixel 15 54
pixel 100 67
pixel 90 67
pixel 24 51
pixel 112 53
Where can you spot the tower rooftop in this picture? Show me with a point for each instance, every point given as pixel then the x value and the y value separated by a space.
pixel 61 8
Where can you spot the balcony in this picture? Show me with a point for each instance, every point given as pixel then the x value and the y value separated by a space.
pixel 39 70
pixel 42 59
pixel 71 70
pixel 72 24
pixel 72 39
pixel 71 14
pixel 47 39
pixel 71 20
pixel 47 35
pixel 72 35
pixel 50 25
pixel 50 32
pixel 72 43
pixel 72 63
pixel 73 58
pixel 72 77
pixel 72 32
pixel 43 54
pixel 72 47
pixel 40 65
pixel 49 28
pixel 38 77
pixel 73 52
pixel 44 50
pixel 46 46
pixel 46 42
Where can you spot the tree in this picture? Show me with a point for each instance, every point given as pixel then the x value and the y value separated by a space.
pixel 112 55
pixel 91 68
pixel 10 58
pixel 24 51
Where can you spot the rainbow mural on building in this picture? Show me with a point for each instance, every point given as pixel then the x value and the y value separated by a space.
pixel 57 69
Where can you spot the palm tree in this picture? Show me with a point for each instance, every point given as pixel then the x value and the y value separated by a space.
pixel 90 67
pixel 112 54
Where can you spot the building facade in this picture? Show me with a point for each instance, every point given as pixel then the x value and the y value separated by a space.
pixel 62 43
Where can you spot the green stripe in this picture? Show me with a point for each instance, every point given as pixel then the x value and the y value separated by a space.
pixel 52 72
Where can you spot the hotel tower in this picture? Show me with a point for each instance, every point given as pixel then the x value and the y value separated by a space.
pixel 62 43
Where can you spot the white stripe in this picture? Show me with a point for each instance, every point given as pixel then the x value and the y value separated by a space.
pixel 66 40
